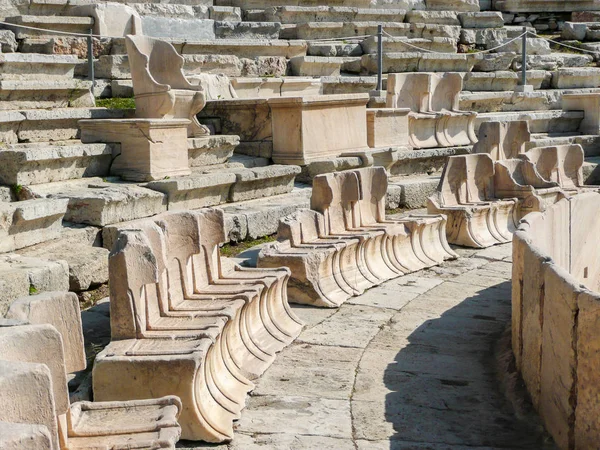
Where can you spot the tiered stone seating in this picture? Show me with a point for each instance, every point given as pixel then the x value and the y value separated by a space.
pixel 435 120
pixel 476 216
pixel 502 140
pixel 561 164
pixel 345 245
pixel 178 308
pixel 41 343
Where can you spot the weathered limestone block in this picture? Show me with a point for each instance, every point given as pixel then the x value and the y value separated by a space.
pixel 150 149
pixel 27 66
pixel 432 62
pixel 576 77
pixel 590 104
pixel 146 423
pixel 387 127
pixel 438 17
pixel 88 266
pixel 483 36
pixel 110 19
pixel 534 6
pixel 535 46
pixel 22 385
pixel 407 44
pixel 34 94
pixel 30 222
pixel 492 62
pixel 484 19
pixel 453 5
pixel 346 245
pixel 393 62
pixel 260 182
pixel 160 87
pixel 518 178
pixel 316 127
pixel 20 275
pixel 177 28
pixel 476 218
pixel 212 323
pixel 196 190
pixel 26 164
pixel 502 140
pixel 247 30
pixel 16 436
pixel 210 150
pixel 574 31
pixel 315 66
pixel 61 310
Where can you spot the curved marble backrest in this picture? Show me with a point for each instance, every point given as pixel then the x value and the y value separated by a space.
pixel 508 173
pixel 373 182
pixel 480 177
pixel 336 197
pixel 545 160
pixel 211 228
pixel 155 65
pixel 408 90
pixel 444 91
pixel 301 227
pixel 132 266
pixel 452 189
pixel 570 160
pixel 502 140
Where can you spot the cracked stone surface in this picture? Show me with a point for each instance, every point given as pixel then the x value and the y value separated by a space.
pixel 408 365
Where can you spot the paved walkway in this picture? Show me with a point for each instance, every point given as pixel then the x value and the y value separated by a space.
pixel 408 365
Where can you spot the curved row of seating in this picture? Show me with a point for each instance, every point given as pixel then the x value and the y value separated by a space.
pixel 484 198
pixel 186 322
pixel 344 244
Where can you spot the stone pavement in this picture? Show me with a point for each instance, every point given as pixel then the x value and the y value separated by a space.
pixel 408 365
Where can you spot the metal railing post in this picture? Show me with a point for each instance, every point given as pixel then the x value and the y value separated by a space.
pixel 524 58
pixel 379 57
pixel 90 57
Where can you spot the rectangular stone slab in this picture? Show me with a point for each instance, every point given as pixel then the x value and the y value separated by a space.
pixel 317 127
pixel 151 149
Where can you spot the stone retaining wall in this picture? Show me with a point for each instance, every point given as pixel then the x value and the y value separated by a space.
pixel 556 317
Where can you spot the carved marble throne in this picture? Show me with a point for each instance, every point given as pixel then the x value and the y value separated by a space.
pixel 160 87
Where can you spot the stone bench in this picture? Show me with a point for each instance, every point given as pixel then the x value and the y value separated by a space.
pixel 519 178
pixel 435 120
pixel 35 357
pixel 561 164
pixel 214 324
pixel 345 245
pixel 476 216
pixel 502 140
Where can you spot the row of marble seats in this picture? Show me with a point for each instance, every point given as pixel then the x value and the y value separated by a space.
pixel 185 321
pixel 435 119
pixel 466 195
pixel 41 342
pixel 345 244
pixel 477 192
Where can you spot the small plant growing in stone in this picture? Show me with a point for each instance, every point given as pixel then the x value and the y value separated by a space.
pixel 32 290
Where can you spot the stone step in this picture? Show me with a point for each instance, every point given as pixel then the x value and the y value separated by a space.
pixel 263 4
pixel 590 143
pixel 545 99
pixel 580 77
pixel 553 61
pixel 29 222
pixel 99 202
pixel 304 14
pixel 46 125
pixel 37 163
pixel 591 170
pixel 419 62
pixel 276 87
pixel 410 192
pixel 38 94
pixel 347 30
pixel 223 185
pixel 504 80
pixel 556 121
pixel 245 48
pixel 404 44
pixel 31 66
pixel 70 24
pixel 315 66
pixel 425 161
pixel 251 219
pixel 349 84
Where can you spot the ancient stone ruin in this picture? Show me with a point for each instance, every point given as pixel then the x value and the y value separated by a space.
pixel 289 224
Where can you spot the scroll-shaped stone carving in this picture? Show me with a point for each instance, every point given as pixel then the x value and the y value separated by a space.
pixel 561 164
pixel 33 355
pixel 178 308
pixel 476 218
pixel 456 127
pixel 519 178
pixel 160 87
pixel 435 120
pixel 502 140
pixel 345 244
